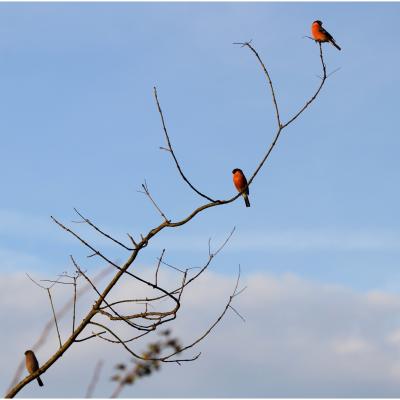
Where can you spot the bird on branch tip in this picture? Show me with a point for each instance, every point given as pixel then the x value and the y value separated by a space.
pixel 320 35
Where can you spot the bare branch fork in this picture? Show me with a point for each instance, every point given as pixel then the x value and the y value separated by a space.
pixel 280 127
pixel 228 305
pixel 189 281
pixel 171 150
pixel 87 221
pixel 51 302
pixel 73 282
pixel 147 193
pixel 149 321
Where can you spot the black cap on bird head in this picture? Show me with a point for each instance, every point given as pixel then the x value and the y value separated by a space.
pixel 236 170
pixel 318 22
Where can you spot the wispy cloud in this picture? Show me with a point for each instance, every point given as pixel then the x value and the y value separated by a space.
pixel 18 225
pixel 299 240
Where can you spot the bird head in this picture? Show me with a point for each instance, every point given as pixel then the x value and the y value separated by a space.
pixel 28 352
pixel 236 170
pixel 318 22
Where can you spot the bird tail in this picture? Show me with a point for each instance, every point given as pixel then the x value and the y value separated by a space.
pixel 334 43
pixel 40 381
pixel 246 200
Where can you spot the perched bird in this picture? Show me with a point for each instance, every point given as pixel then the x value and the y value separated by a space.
pixel 32 364
pixel 321 35
pixel 240 183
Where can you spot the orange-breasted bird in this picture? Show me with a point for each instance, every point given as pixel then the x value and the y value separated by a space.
pixel 321 35
pixel 32 364
pixel 240 183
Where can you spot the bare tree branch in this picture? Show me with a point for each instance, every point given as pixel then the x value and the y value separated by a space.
pixel 227 306
pixel 90 337
pixel 55 317
pixel 158 318
pixel 171 150
pixel 247 44
pixel 100 295
pixel 51 301
pixel 87 221
pixel 158 265
pixel 95 379
pixel 314 96
pixel 74 307
pixel 177 290
pixel 147 193
pixel 95 252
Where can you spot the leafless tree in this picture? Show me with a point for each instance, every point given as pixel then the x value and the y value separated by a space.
pixel 98 323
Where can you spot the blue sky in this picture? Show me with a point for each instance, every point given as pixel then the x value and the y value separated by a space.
pixel 80 128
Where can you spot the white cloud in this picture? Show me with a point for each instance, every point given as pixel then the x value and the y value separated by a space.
pixel 394 338
pixel 301 338
pixel 350 345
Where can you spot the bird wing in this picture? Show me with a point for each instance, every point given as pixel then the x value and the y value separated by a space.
pixel 324 31
pixel 247 189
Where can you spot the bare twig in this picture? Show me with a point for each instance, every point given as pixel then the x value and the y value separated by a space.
pixel 37 284
pixel 87 221
pixel 278 119
pixel 90 337
pixel 170 149
pixel 74 307
pixel 227 306
pixel 56 282
pixel 95 379
pixel 95 252
pixel 158 265
pixel 147 193
pixel 333 72
pixel 193 278
pixel 54 315
pixel 139 356
pixel 132 240
pixel 173 267
pixel 237 313
pixel 98 334
pixel 314 96
pixel 51 301
pixel 43 280
pixel 117 337
pixel 101 297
